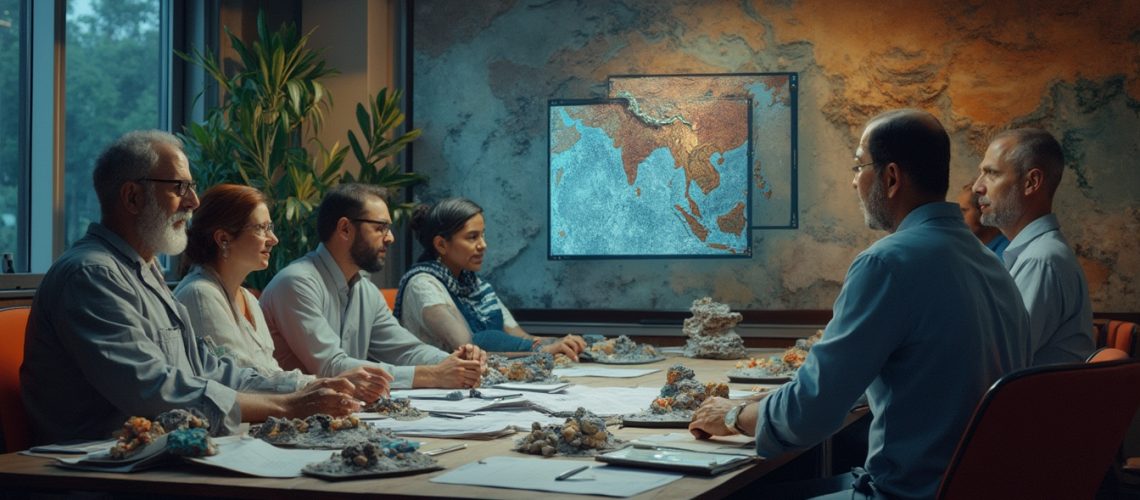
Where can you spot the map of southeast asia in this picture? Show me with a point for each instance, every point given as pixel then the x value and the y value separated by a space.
pixel 774 182
pixel 629 183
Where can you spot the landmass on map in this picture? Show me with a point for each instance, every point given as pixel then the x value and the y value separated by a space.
pixel 628 181
pixel 774 201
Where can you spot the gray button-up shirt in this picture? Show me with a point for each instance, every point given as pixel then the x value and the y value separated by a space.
pixel 106 341
pixel 325 325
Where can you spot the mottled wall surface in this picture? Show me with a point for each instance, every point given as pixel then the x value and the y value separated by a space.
pixel 483 72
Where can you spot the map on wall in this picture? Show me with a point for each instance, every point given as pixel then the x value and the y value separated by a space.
pixel 628 182
pixel 773 95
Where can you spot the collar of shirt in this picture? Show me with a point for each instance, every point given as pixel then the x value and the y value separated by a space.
pixel 1041 225
pixel 930 211
pixel 326 261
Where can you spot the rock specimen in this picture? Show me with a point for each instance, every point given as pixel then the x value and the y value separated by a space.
pixel 383 455
pixel 711 331
pixel 622 350
pixel 680 395
pixel 398 409
pixel 533 368
pixel 318 431
pixel 583 434
pixel 188 429
pixel 785 364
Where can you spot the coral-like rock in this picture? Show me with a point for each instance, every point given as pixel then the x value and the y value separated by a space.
pixel 711 331
pixel 584 433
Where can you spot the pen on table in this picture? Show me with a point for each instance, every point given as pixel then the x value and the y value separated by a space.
pixel 570 473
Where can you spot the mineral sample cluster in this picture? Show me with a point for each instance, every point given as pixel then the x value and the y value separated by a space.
pixel 583 434
pixel 186 431
pixel 711 331
pixel 534 368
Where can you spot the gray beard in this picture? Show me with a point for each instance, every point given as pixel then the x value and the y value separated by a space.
pixel 875 208
pixel 1005 215
pixel 156 229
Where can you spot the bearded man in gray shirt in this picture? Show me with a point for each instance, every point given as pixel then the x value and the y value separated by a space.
pixel 106 340
pixel 325 316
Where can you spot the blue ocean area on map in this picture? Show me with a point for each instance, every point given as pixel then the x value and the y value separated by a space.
pixel 595 211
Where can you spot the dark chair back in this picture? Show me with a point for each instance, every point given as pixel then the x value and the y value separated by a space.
pixel 1031 435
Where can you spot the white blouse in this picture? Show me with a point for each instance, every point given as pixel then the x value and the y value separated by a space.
pixel 226 330
pixel 430 313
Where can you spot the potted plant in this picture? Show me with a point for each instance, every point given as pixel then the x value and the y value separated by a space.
pixel 273 100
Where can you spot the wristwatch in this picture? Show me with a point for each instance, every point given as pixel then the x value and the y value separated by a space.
pixel 732 419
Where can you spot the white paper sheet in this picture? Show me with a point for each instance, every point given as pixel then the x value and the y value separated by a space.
pixel 604 401
pixel 539 473
pixel 597 371
pixel 257 458
pixel 490 425
pixel 77 448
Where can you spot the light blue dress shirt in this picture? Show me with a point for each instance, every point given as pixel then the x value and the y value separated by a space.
pixel 926 321
pixel 998 244
pixel 325 325
pixel 106 341
pixel 1055 293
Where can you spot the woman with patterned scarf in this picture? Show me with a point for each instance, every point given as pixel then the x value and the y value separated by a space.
pixel 445 303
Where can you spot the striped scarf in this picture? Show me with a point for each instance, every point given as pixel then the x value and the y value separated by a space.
pixel 474 297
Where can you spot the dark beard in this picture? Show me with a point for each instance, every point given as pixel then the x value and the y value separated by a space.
pixel 365 257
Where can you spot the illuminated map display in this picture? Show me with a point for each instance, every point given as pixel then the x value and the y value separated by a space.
pixel 773 132
pixel 626 181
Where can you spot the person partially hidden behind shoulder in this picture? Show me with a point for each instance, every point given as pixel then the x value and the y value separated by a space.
pixel 106 340
pixel 899 331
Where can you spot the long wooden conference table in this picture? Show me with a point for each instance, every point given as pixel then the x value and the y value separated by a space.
pixel 33 473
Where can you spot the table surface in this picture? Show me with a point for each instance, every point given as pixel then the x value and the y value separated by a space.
pixel 37 473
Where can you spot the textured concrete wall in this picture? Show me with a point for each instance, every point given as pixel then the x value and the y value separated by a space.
pixel 483 72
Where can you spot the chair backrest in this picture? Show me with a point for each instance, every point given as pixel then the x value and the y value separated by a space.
pixel 13 420
pixel 1030 436
pixel 1106 354
pixel 390 296
pixel 1118 334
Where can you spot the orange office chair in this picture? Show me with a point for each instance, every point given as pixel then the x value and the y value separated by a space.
pixel 1118 334
pixel 1107 354
pixel 390 296
pixel 1030 435
pixel 13 420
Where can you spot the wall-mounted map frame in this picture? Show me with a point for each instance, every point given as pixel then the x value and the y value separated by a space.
pixel 623 184
pixel 775 200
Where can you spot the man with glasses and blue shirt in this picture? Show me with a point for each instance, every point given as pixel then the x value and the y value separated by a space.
pixel 326 317
pixel 926 321
pixel 106 340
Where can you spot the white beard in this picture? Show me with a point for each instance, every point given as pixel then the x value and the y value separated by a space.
pixel 157 230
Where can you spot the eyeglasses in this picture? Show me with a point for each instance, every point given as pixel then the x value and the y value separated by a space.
pixel 262 229
pixel 181 188
pixel 381 226
pixel 859 168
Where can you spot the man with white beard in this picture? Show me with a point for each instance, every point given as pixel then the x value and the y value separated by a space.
pixel 1017 180
pixel 106 340
pixel 926 321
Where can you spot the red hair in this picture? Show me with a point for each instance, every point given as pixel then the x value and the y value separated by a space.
pixel 226 207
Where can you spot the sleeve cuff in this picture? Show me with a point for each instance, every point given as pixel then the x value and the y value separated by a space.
pixel 401 376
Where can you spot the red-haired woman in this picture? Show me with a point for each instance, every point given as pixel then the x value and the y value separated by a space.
pixel 230 236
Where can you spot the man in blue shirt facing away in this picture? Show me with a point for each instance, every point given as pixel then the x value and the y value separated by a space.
pixel 926 321
pixel 1016 183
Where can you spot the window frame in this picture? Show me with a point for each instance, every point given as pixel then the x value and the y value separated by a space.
pixel 40 232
